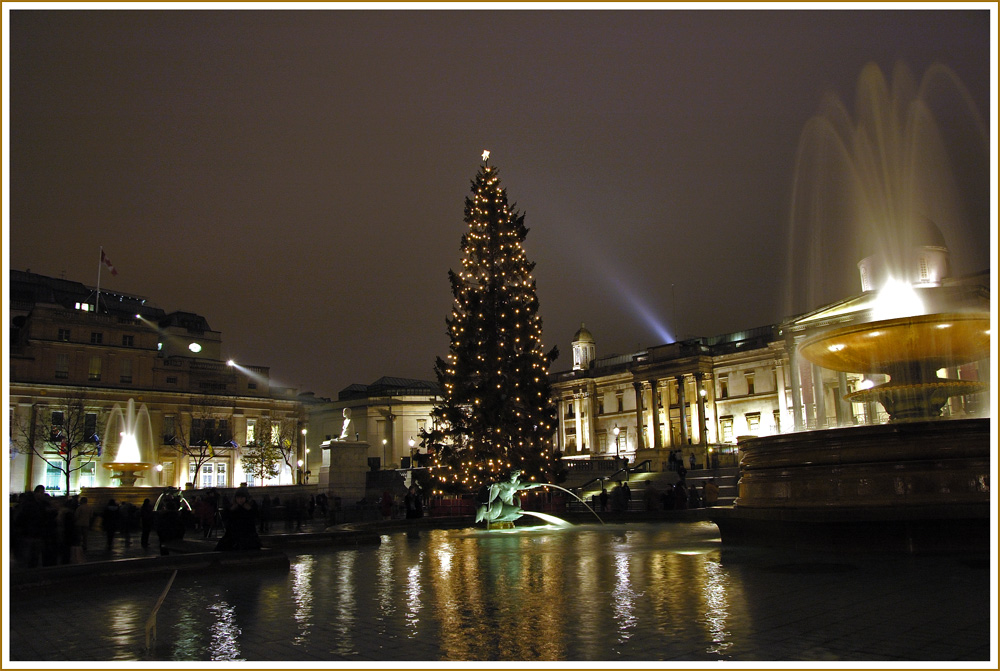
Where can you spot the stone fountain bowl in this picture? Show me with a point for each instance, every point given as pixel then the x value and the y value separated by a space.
pixel 928 341
pixel 126 472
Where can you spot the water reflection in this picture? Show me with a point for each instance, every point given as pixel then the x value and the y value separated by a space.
pixel 715 591
pixel 302 593
pixel 648 592
pixel 224 633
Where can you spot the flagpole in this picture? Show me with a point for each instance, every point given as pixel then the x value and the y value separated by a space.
pixel 97 304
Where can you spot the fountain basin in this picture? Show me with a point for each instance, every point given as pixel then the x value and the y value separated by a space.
pixel 913 486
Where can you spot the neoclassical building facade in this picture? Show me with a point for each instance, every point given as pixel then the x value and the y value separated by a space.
pixel 68 342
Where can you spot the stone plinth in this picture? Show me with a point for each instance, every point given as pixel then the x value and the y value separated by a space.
pixel 345 464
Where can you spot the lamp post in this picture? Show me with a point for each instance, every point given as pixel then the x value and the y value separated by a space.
pixel 305 449
pixel 412 443
pixel 385 458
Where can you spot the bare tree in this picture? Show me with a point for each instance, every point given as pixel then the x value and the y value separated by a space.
pixel 64 433
pixel 209 427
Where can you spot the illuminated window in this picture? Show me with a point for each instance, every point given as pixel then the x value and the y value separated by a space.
pixel 753 423
pixel 251 430
pixel 275 432
pixel 95 369
pixel 727 429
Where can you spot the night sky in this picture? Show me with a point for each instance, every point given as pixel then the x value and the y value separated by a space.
pixel 298 177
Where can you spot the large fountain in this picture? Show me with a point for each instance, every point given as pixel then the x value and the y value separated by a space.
pixel 921 481
pixel 129 426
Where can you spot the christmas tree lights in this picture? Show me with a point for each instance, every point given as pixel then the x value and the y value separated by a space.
pixel 497 413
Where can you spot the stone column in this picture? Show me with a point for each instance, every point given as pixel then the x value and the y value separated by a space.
pixel 702 433
pixel 655 409
pixel 578 424
pixel 682 402
pixel 844 413
pixel 640 443
pixel 820 397
pixel 779 378
pixel 592 418
pixel 562 425
pixel 796 382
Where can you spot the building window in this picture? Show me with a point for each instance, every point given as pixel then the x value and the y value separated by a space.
pixel 753 423
pixel 96 338
pixel 62 366
pixel 126 371
pixel 57 418
pixel 621 403
pixel 63 335
pixel 90 426
pixel 600 405
pixel 777 421
pixel 213 474
pixel 128 341
pixel 275 433
pixel 251 385
pixel 169 429
pixel 95 369
pixel 53 478
pixel 87 476
pixel 750 384
pixel 172 379
pixel 251 430
pixel 724 386
pixel 727 429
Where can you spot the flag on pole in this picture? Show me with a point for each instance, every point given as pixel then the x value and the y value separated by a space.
pixel 107 262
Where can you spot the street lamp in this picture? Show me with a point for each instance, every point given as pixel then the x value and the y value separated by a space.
pixel 616 431
pixel 385 458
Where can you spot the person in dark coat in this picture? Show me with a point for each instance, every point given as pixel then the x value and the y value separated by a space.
pixel 147 518
pixel 110 518
pixel 241 524
pixel 169 525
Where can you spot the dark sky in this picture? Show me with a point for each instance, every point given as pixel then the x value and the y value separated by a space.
pixel 298 177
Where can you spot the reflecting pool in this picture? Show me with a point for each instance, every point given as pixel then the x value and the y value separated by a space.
pixel 645 592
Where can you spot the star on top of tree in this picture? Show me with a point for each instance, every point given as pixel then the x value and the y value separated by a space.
pixel 486 155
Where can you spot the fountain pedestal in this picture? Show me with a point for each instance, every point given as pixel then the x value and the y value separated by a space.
pixel 126 473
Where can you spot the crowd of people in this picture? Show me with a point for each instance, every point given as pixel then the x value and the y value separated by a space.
pixel 47 531
pixel 674 496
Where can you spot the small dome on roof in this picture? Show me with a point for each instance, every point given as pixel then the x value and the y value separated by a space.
pixel 583 335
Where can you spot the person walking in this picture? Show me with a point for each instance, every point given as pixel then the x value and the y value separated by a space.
pixel 147 517
pixel 83 516
pixel 109 520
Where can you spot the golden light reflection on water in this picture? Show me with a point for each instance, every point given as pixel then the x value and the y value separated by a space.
pixel 469 594
pixel 302 594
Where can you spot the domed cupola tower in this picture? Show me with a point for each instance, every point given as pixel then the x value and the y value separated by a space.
pixel 921 261
pixel 584 349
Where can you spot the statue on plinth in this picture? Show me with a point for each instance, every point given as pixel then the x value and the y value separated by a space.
pixel 347 425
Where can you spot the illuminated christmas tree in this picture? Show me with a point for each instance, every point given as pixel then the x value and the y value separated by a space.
pixel 497 413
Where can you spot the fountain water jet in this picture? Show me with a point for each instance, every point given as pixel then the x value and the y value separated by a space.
pixel 884 182
pixel 129 426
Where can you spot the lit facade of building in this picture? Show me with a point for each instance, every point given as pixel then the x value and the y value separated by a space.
pixel 696 396
pixel 701 395
pixel 68 342
pixel 388 414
